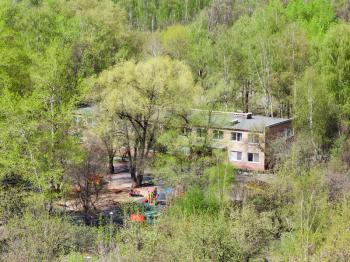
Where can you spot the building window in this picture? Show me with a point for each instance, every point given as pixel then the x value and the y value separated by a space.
pixel 253 157
pixel 236 136
pixel 186 151
pixel 185 131
pixel 201 132
pixel 218 134
pixel 235 156
pixel 288 133
pixel 253 138
pixel 77 119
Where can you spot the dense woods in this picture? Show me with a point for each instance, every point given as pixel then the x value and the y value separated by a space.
pixel 143 65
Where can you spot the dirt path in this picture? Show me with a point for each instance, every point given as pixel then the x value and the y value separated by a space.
pixel 117 191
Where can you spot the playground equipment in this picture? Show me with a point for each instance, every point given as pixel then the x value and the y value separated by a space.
pixel 152 206
pixel 137 218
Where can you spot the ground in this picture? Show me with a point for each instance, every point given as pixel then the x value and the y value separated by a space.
pixel 119 185
pixel 244 180
pixel 115 192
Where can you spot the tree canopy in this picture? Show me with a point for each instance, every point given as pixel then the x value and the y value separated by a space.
pixel 86 83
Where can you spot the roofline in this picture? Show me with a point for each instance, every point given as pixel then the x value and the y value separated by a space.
pixel 280 123
pixel 227 128
pixel 245 130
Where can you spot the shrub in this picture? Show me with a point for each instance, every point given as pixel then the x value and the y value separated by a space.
pixel 198 237
pixel 44 238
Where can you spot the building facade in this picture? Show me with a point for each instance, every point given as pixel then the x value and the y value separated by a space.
pixel 245 137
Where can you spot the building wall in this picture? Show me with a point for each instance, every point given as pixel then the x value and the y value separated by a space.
pixel 242 146
pixel 273 133
pixel 245 147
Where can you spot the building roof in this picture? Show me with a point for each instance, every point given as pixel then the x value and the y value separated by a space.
pixel 86 110
pixel 217 119
pixel 235 121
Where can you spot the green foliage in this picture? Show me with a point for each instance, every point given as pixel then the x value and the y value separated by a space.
pixel 48 48
pixel 219 180
pixel 41 237
pixel 142 95
pixel 176 41
pixel 335 246
pixel 305 213
pixel 160 81
pixel 15 64
pixel 153 14
pixel 198 237
pixel 316 109
pixel 315 16
pixel 278 58
pixel 196 201
pixel 334 63
pixel 12 202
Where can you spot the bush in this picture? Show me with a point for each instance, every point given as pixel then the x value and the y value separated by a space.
pixel 11 203
pixel 44 238
pixel 198 237
pixel 194 202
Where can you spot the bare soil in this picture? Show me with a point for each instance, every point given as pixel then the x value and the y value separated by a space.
pixel 114 193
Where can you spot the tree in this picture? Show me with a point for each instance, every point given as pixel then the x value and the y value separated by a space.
pixel 156 14
pixel 200 55
pixel 314 16
pixel 306 213
pixel 85 177
pixel 144 96
pixel 108 131
pixel 220 13
pixel 25 240
pixel 316 111
pixel 335 66
pixel 47 50
pixel 233 67
pixel 175 41
pixel 15 64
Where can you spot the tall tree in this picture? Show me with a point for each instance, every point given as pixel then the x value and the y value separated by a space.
pixel 108 130
pixel 316 111
pixel 143 96
pixel 335 65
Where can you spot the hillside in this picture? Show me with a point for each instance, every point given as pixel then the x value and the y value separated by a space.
pixel 187 97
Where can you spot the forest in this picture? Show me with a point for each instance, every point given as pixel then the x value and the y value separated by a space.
pixel 141 67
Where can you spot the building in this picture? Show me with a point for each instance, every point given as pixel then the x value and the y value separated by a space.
pixel 245 137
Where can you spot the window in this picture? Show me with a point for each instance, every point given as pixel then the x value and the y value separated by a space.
pixel 185 131
pixel 201 132
pixel 77 119
pixel 253 157
pixel 218 134
pixel 235 156
pixel 253 138
pixel 236 136
pixel 186 151
pixel 288 133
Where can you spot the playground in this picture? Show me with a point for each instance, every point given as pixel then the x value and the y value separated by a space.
pixel 150 199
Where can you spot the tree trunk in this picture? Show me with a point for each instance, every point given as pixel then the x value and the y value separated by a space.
pixel 132 163
pixel 139 179
pixel 246 89
pixel 110 164
pixel 246 109
pixel 133 172
pixel 136 176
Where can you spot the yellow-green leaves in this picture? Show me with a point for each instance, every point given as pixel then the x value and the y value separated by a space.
pixel 157 83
